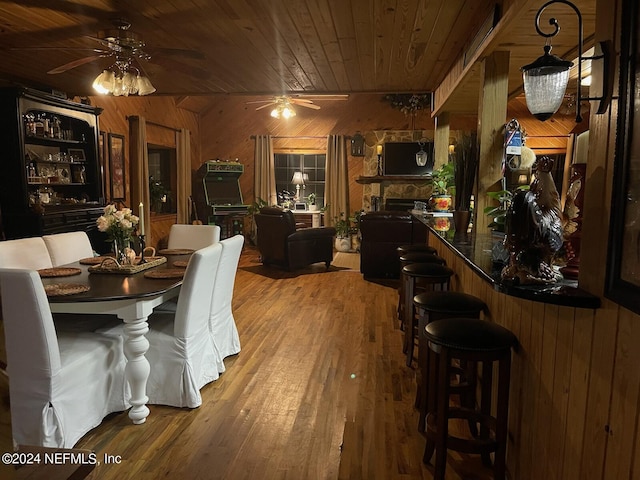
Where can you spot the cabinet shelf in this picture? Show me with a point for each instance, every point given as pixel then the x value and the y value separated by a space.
pixel 56 184
pixel 35 140
pixel 61 162
pixel 67 168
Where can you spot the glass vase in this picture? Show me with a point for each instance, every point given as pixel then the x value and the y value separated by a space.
pixel 119 250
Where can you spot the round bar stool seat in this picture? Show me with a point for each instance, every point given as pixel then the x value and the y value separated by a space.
pixel 406 259
pixel 416 247
pixel 468 339
pixel 430 307
pixel 432 276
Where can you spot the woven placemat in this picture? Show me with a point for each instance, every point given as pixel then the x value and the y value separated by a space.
pixel 181 263
pixel 94 260
pixel 176 251
pixel 59 289
pixel 111 266
pixel 165 273
pixel 59 272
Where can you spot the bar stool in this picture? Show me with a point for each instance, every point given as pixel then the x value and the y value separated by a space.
pixel 407 259
pixel 477 341
pixel 431 276
pixel 430 307
pixel 416 247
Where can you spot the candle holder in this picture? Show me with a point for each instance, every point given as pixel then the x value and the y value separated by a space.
pixel 380 165
pixel 142 247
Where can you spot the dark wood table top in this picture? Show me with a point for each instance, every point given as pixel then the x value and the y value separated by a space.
pixel 111 286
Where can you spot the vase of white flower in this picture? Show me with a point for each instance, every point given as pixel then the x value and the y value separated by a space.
pixel 119 226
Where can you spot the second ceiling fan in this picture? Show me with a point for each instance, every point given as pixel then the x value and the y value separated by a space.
pixel 283 105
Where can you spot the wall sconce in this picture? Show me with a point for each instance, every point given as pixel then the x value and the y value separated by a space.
pixel 421 155
pixel 545 80
pixel 379 153
pixel 357 145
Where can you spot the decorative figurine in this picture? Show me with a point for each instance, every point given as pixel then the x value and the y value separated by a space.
pixel 534 230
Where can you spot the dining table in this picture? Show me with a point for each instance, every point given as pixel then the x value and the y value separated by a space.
pixel 132 298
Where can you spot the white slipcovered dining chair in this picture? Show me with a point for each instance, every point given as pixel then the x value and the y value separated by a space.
pixel 181 352
pixel 61 384
pixel 28 253
pixel 68 247
pixel 193 237
pixel 222 324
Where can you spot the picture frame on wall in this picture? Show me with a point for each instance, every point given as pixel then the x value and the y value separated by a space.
pixel 117 166
pixel 102 157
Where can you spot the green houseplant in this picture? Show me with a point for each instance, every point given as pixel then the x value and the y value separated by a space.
pixel 443 186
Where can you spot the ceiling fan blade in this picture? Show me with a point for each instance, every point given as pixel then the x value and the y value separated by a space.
pixel 299 101
pixel 259 101
pixel 265 106
pixel 195 54
pixel 70 49
pixel 74 64
pixel 309 105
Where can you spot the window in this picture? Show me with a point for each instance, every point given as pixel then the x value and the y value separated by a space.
pixel 311 165
pixel 163 179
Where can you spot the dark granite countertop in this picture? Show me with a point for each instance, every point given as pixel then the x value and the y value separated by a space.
pixel 475 249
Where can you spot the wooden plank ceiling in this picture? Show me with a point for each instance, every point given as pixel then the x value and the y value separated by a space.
pixel 254 47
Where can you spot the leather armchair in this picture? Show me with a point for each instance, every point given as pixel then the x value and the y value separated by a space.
pixel 281 244
pixel 382 233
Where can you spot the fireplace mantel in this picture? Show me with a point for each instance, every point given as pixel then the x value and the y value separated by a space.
pixel 364 180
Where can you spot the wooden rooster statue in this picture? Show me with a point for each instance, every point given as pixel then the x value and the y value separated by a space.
pixel 534 230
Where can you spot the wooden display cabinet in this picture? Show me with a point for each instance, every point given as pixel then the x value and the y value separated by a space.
pixel 51 178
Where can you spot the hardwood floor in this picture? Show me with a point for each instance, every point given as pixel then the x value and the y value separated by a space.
pixel 319 391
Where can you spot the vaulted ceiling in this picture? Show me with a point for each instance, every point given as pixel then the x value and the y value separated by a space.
pixel 205 47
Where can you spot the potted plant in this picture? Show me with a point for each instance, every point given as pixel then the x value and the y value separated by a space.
pixel 311 201
pixel 253 209
pixel 443 186
pixel 355 230
pixel 343 233
pixel 465 161
pixel 498 214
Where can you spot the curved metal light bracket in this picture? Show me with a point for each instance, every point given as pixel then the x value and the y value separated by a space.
pixel 605 56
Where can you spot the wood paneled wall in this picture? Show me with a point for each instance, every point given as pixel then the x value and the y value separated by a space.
pixel 163 117
pixel 575 384
pixel 228 126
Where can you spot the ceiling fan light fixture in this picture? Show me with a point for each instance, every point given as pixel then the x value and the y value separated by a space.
pixel 103 84
pixel 288 112
pixel 144 85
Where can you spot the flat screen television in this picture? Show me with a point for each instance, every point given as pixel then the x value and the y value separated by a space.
pixel 399 158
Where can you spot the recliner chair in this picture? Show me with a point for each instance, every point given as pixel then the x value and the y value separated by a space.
pixel 281 244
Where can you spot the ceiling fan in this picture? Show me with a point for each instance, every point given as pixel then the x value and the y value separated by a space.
pixel 128 50
pixel 283 104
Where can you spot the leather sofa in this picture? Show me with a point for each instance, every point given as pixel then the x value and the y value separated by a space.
pixel 281 244
pixel 381 234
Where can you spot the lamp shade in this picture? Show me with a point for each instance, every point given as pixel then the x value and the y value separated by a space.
pixel 545 82
pixel 298 178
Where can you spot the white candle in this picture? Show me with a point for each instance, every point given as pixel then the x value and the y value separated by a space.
pixel 379 149
pixel 141 217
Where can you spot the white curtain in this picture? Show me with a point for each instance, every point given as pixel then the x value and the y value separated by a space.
pixel 139 169
pixel 336 187
pixel 264 181
pixel 183 159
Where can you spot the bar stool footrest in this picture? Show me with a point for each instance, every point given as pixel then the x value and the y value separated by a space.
pixel 481 445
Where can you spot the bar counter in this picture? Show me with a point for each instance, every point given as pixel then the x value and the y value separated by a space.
pixel 474 248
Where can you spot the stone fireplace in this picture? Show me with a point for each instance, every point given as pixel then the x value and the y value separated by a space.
pixel 393 191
